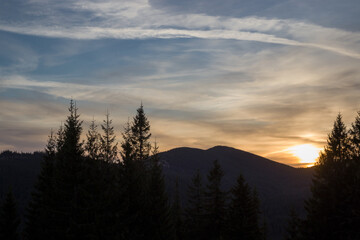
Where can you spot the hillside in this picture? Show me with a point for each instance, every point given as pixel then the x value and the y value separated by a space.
pixel 279 186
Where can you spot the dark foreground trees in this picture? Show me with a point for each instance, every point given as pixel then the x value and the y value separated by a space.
pixel 333 210
pixel 9 219
pixel 86 191
pixel 211 214
pixel 243 213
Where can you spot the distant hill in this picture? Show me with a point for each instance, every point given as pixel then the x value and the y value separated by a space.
pixel 279 186
pixel 19 171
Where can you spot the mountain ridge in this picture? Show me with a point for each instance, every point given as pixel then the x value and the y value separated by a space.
pixel 280 186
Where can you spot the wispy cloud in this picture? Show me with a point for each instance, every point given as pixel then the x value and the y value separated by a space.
pixel 262 83
pixel 139 20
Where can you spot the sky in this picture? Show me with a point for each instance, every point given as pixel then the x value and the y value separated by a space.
pixel 264 76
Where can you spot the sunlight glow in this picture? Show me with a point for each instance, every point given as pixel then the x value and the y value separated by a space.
pixel 307 153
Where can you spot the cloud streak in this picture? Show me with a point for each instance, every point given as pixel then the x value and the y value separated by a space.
pixel 259 83
pixel 139 20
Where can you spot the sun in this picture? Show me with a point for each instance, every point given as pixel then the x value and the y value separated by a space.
pixel 307 153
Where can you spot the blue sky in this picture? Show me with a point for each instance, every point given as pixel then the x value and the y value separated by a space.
pixel 259 75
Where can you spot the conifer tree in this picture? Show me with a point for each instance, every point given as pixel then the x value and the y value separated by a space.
pixel 92 145
pixel 243 213
pixel 159 224
pixel 194 211
pixel 9 219
pixel 60 138
pixel 108 141
pixel 134 152
pixel 215 199
pixel 68 206
pixel 355 137
pixel 127 149
pixel 177 213
pixel 38 209
pixel 141 135
pixel 325 209
pixel 293 229
pixel 352 192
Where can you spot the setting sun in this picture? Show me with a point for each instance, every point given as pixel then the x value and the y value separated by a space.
pixel 307 153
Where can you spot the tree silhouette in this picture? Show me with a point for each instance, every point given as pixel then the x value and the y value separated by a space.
pixel 108 145
pixel 38 210
pixel 141 135
pixel 214 205
pixel 243 213
pixel 93 144
pixel 194 211
pixel 9 219
pixel 159 222
pixel 327 210
pixel 293 229
pixel 177 213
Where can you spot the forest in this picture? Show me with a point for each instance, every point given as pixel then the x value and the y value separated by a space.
pixel 99 189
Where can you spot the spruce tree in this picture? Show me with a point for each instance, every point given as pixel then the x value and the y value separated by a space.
pixel 127 149
pixel 134 152
pixel 92 145
pixel 243 213
pixel 141 135
pixel 215 199
pixel 355 136
pixel 177 213
pixel 37 214
pixel 325 209
pixel 68 205
pixel 60 138
pixel 108 141
pixel 194 210
pixel 159 223
pixel 352 195
pixel 9 219
pixel 293 229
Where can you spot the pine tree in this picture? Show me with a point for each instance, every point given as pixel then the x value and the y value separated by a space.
pixel 325 209
pixel 134 151
pixel 108 141
pixel 215 199
pixel 60 138
pixel 159 222
pixel 355 137
pixel 38 210
pixel 293 230
pixel 68 205
pixel 92 145
pixel 141 135
pixel 352 191
pixel 243 213
pixel 127 149
pixel 194 211
pixel 177 213
pixel 9 219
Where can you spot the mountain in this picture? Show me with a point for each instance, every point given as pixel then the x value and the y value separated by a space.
pixel 19 171
pixel 280 187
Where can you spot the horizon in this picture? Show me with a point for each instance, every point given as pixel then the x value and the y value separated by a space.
pixel 295 165
pixel 266 77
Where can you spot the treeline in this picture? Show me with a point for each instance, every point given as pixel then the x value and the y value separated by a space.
pixel 333 210
pixel 99 189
